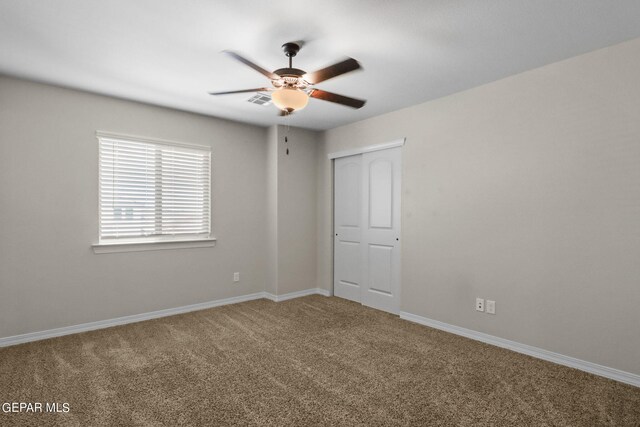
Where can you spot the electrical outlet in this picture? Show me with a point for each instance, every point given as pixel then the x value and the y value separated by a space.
pixel 479 304
pixel 491 307
pixel 236 277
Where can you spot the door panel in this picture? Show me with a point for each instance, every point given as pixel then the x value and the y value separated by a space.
pixel 381 236
pixel 381 268
pixel 347 216
pixel 350 251
pixel 380 194
pixel 348 193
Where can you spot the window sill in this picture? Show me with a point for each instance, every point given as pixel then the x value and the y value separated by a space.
pixel 109 248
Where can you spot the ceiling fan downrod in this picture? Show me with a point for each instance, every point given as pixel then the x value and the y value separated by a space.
pixel 290 50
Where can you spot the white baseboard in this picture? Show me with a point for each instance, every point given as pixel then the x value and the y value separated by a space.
pixel 101 324
pixel 592 368
pixel 298 294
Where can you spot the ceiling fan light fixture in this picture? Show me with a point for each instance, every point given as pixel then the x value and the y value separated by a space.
pixel 290 99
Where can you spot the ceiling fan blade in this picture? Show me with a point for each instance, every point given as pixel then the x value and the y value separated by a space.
pixel 258 89
pixel 332 71
pixel 338 99
pixel 256 67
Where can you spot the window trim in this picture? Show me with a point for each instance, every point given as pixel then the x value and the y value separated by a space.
pixel 113 247
pixel 156 242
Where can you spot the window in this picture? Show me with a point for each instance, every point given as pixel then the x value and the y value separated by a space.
pixel 153 191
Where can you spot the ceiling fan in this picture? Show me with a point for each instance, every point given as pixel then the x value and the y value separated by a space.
pixel 292 87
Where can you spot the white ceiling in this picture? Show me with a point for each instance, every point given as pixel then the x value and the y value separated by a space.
pixel 167 52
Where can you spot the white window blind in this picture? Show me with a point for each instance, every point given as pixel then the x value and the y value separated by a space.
pixel 153 191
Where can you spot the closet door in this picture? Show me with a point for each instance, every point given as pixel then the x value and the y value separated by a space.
pixel 380 243
pixel 347 279
pixel 367 228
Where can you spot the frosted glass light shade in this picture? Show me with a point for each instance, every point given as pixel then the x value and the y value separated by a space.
pixel 290 99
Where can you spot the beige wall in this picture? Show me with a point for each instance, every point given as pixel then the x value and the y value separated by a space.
pixel 272 211
pixel 49 275
pixel 525 191
pixel 296 249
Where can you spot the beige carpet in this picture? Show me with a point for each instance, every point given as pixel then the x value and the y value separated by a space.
pixel 309 361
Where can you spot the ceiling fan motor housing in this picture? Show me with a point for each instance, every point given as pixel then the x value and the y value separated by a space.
pixel 290 78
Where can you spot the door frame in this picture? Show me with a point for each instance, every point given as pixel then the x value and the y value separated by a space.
pixel 367 149
pixel 352 152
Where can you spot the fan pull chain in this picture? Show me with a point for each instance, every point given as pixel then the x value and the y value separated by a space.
pixel 286 141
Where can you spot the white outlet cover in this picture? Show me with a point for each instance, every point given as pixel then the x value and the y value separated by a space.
pixel 491 307
pixel 479 304
pixel 236 277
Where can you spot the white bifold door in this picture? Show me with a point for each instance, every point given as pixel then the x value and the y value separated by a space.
pixel 367 228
